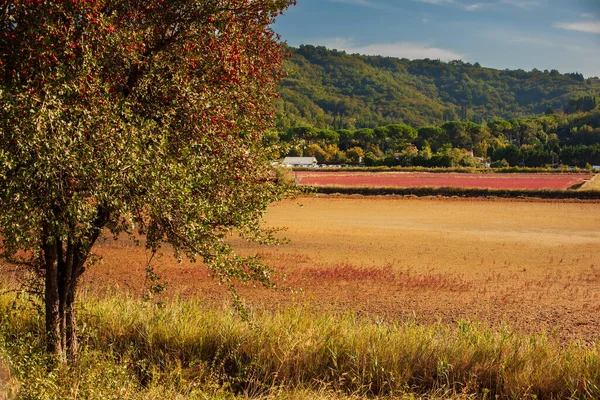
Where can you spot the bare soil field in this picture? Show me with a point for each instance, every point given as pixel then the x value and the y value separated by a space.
pixel 428 179
pixel 534 265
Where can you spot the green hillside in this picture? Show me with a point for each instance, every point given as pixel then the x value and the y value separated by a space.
pixel 331 89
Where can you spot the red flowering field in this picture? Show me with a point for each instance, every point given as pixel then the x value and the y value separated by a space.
pixel 428 179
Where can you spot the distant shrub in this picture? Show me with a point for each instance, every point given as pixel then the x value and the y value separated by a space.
pixel 284 176
pixel 461 192
pixel 500 164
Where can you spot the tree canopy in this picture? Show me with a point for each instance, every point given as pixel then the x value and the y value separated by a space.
pixel 331 89
pixel 142 116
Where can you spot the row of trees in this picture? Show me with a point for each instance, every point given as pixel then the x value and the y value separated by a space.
pixel 539 141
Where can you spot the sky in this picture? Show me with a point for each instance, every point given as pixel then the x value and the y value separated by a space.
pixel 514 34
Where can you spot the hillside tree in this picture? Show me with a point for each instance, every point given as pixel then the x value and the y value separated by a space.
pixel 133 116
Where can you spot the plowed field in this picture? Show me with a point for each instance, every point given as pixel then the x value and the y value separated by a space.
pixel 532 265
pixel 426 179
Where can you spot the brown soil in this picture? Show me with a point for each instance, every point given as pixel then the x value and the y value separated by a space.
pixel 534 265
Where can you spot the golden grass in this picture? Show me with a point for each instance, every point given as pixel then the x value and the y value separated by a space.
pixel 9 387
pixel 132 350
pixel 592 184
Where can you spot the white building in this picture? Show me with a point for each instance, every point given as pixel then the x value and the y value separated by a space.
pixel 299 161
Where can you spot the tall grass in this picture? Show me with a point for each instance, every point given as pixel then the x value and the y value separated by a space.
pixel 185 350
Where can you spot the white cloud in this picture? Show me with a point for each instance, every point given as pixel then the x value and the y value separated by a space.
pixel 588 15
pixel 397 49
pixel 474 7
pixel 586 26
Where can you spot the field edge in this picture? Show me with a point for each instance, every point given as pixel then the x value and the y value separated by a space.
pixel 450 191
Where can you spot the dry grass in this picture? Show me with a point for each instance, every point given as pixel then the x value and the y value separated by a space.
pixel 132 350
pixel 8 385
pixel 531 264
pixel 592 184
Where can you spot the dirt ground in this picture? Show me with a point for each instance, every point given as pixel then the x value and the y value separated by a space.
pixel 534 265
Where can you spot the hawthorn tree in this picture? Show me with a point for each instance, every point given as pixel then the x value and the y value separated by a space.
pixel 136 116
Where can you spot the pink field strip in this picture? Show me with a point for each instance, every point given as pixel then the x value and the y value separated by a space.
pixel 424 179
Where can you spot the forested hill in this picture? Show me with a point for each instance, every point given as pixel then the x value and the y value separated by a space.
pixel 331 89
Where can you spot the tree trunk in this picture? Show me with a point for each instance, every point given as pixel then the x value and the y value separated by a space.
pixel 64 263
pixel 51 297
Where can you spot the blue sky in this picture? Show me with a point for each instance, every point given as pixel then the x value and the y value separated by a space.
pixel 526 34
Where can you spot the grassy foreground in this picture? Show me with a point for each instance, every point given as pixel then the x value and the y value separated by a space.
pixel 134 350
